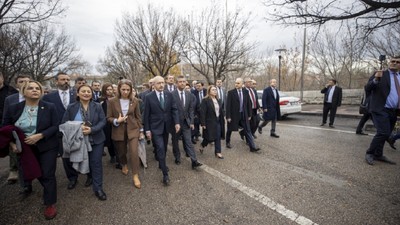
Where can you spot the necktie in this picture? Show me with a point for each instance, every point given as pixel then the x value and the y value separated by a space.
pixel 240 100
pixel 327 94
pixel 161 101
pixel 201 96
pixel 220 94
pixel 253 99
pixel 182 99
pixel 396 82
pixel 64 99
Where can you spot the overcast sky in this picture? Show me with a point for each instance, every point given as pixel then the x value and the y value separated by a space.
pixel 91 22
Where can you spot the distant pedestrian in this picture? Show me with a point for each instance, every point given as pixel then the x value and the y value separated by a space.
pixel 271 108
pixel 332 100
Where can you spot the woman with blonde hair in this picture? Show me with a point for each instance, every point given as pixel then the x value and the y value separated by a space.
pixel 212 120
pixel 123 112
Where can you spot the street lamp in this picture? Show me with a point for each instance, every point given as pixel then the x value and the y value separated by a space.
pixel 280 50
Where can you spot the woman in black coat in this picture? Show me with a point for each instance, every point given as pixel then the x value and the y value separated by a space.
pixel 212 120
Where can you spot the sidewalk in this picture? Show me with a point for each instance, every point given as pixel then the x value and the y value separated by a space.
pixel 350 111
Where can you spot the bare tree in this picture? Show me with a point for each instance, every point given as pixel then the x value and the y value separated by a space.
pixel 384 43
pixel 119 62
pixel 22 11
pixel 48 50
pixel 151 35
pixel 369 15
pixel 215 44
pixel 78 66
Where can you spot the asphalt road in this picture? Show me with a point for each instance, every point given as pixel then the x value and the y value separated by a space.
pixel 311 174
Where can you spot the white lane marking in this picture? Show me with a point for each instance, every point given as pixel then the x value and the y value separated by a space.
pixel 281 209
pixel 320 128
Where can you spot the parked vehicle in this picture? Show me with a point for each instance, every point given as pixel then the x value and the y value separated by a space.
pixel 288 104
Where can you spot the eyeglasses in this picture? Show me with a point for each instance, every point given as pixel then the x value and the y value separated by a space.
pixel 395 61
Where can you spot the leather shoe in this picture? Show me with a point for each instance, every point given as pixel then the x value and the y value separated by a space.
pixel 118 166
pixel 219 156
pixel 228 145
pixel 254 149
pixel 391 143
pixel 101 195
pixel 26 190
pixel 274 135
pixel 385 160
pixel 196 164
pixel 361 133
pixel 322 124
pixel 88 182
pixel 72 184
pixel 259 130
pixel 241 135
pixel 369 159
pixel 166 181
pixel 177 161
pixel 331 126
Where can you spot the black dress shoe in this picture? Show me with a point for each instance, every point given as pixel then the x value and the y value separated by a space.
pixel 391 143
pixel 322 124
pixel 118 166
pixel 72 184
pixel 259 130
pixel 361 133
pixel 331 126
pixel 274 135
pixel 241 135
pixel 166 181
pixel 101 195
pixel 385 160
pixel 113 160
pixel 254 149
pixel 187 155
pixel 177 161
pixel 88 182
pixel 369 159
pixel 26 190
pixel 228 145
pixel 196 164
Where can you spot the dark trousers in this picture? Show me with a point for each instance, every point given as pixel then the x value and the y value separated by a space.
pixel 48 165
pixel 196 131
pixel 362 122
pixel 329 107
pixel 160 142
pixel 384 122
pixel 244 123
pixel 96 166
pixel 185 132
pixel 217 141
pixel 254 122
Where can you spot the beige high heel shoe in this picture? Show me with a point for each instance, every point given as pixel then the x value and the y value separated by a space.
pixel 125 169
pixel 136 181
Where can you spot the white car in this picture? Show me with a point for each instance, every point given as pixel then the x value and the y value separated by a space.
pixel 288 105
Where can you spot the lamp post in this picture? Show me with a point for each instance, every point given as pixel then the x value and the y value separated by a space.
pixel 280 50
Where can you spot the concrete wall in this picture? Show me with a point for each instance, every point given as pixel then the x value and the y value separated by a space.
pixel 350 96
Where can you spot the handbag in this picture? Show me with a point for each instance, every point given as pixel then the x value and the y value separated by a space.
pixel 364 105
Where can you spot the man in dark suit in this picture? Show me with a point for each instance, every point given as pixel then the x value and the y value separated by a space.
pixel 200 92
pixel 221 93
pixel 10 95
pixel 61 98
pixel 248 83
pixel 160 116
pixel 332 100
pixel 238 114
pixel 96 86
pixel 271 108
pixel 384 106
pixel 170 85
pixel 186 103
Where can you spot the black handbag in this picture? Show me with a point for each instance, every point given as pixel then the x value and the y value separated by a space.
pixel 364 105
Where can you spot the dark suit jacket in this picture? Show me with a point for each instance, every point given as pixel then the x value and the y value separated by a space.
pixel 5 91
pixel 47 123
pixel 198 100
pixel 11 99
pixel 156 119
pixel 96 118
pixel 167 85
pixel 133 122
pixel 209 119
pixel 233 108
pixel 271 104
pixel 54 98
pixel 336 97
pixel 186 112
pixel 379 91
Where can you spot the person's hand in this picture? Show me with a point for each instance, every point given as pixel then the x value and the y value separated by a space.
pixel 177 128
pixel 141 136
pixel 86 130
pixel 378 74
pixel 250 118
pixel 31 140
pixel 13 147
pixel 204 127
pixel 148 135
pixel 229 120
pixel 192 126
pixel 121 119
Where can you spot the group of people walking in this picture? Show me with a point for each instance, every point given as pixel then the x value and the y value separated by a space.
pixel 76 123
